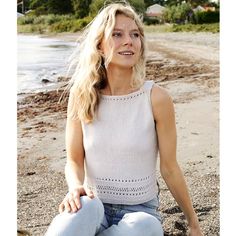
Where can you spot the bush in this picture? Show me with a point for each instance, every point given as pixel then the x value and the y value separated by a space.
pixel 178 14
pixel 207 17
pixel 151 20
pixel 51 19
pixel 62 26
pixel 214 28
pixel 39 20
pixel 25 20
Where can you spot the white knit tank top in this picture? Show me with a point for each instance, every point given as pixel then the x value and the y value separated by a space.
pixel 121 149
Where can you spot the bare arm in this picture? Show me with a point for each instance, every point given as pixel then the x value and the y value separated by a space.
pixel 74 169
pixel 163 111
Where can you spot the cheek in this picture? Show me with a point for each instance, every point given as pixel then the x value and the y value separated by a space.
pixel 117 43
pixel 138 47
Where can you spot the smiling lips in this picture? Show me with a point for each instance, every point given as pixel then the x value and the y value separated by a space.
pixel 126 53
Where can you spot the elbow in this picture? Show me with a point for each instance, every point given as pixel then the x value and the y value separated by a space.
pixel 167 170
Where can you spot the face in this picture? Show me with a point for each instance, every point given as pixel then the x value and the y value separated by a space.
pixel 125 41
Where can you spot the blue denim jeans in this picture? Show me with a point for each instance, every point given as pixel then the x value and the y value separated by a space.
pixel 101 219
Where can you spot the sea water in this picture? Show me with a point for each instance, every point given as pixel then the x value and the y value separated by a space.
pixel 41 59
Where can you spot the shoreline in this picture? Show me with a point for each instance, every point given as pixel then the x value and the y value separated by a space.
pixel 180 64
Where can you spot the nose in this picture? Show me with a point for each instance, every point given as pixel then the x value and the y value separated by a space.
pixel 128 40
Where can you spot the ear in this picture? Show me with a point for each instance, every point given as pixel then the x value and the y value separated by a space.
pixel 99 49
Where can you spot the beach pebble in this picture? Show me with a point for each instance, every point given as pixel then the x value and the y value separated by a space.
pixel 45 81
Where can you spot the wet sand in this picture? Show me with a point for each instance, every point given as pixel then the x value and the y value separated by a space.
pixel 187 65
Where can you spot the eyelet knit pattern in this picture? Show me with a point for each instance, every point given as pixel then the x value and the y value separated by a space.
pixel 122 97
pixel 121 149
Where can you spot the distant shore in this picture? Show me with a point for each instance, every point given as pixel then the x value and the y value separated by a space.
pixel 187 66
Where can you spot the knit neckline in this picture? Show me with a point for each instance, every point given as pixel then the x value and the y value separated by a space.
pixel 125 96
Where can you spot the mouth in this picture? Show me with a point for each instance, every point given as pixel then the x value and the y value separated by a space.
pixel 126 53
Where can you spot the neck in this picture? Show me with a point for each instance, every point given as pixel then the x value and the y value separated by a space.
pixel 119 81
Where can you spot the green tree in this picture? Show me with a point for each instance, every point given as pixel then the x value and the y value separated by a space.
pixel 194 3
pixel 59 7
pixel 173 2
pixel 139 5
pixel 96 5
pixel 39 6
pixel 178 14
pixel 37 3
pixel 81 7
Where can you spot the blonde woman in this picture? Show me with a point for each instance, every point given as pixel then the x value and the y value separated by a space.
pixel 114 119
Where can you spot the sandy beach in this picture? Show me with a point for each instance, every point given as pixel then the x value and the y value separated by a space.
pixel 187 66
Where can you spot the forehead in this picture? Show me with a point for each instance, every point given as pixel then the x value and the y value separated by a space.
pixel 125 22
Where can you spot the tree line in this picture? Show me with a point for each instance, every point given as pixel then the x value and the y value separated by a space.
pixel 84 8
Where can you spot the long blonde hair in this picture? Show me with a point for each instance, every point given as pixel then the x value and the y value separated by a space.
pixel 90 73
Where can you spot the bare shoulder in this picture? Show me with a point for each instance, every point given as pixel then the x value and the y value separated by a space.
pixel 159 96
pixel 162 103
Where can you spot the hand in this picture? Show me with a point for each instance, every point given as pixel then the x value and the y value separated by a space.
pixel 71 202
pixel 196 231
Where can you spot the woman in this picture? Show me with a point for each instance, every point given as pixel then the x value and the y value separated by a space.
pixel 114 119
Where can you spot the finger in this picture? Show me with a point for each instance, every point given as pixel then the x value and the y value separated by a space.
pixel 61 207
pixel 77 200
pixel 73 205
pixel 67 206
pixel 90 194
pixel 76 197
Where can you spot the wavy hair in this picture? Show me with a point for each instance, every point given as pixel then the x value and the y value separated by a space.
pixel 90 66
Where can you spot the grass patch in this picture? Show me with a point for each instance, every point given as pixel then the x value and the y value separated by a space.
pixel 51 24
pixel 214 28
pixel 69 23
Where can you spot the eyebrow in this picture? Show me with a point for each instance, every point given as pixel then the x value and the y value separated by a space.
pixel 117 29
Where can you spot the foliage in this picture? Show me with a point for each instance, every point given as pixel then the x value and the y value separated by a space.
pixel 38 20
pixel 138 5
pixel 96 5
pixel 178 14
pixel 214 28
pixel 81 23
pixel 25 20
pixel 207 17
pixel 193 3
pixel 37 3
pixel 81 7
pixel 59 7
pixel 151 20
pixel 51 23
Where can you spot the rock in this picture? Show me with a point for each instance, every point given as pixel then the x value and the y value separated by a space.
pixel 21 232
pixel 180 225
pixel 63 79
pixel 209 156
pixel 45 81
pixel 31 173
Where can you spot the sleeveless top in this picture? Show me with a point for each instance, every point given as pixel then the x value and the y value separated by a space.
pixel 121 149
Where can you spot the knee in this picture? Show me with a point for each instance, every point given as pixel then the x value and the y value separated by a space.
pixel 91 208
pixel 91 213
pixel 94 204
pixel 141 221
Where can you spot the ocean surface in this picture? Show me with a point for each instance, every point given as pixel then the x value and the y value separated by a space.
pixel 41 58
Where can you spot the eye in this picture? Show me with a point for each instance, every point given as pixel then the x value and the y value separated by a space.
pixel 116 34
pixel 135 35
